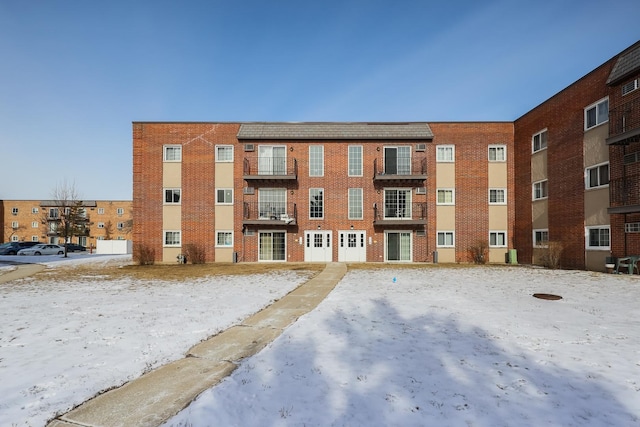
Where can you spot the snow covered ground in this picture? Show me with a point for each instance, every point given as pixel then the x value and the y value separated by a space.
pixel 402 347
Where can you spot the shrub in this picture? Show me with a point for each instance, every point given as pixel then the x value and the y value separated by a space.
pixel 195 253
pixel 479 252
pixel 551 255
pixel 143 254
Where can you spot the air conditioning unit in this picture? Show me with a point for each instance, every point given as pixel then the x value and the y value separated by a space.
pixel 421 147
pixel 421 190
pixel 630 158
pixel 249 147
pixel 248 190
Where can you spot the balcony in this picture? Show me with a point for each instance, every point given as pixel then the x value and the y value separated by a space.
pixel 400 170
pixel 624 123
pixel 269 214
pixel 411 215
pixel 270 169
pixel 624 194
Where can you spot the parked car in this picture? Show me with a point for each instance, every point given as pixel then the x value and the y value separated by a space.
pixel 42 249
pixel 12 248
pixel 72 247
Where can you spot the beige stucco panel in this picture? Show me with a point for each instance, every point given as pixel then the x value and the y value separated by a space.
pixel 224 254
pixel 498 217
pixel 446 218
pixel 224 217
pixel 497 255
pixel 224 175
pixel 446 255
pixel 595 260
pixel 539 212
pixel 172 175
pixel 170 255
pixel 445 175
pixel 596 150
pixel 596 203
pixel 498 175
pixel 539 166
pixel 171 217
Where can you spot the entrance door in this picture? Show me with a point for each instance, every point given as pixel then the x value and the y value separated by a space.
pixel 352 247
pixel 398 246
pixel 317 246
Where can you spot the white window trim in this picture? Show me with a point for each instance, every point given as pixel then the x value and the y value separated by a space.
pixel 173 245
pixel 586 176
pixel 361 160
pixel 453 153
pixel 533 190
pixel 386 237
pixel 533 150
pixel 322 151
pixel 503 146
pixel 590 107
pixel 286 246
pixel 498 232
pixel 15 224
pixel 453 196
pixel 34 210
pixel 164 153
pixel 101 225
pixel 361 199
pixel 35 224
pixel 230 245
pixel 596 248
pixel 323 203
pixel 224 146
pixel 224 203
pixel 101 210
pixel 453 234
pixel 164 196
pixel 504 190
pixel 534 231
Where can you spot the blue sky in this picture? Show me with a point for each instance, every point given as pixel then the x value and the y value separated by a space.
pixel 74 75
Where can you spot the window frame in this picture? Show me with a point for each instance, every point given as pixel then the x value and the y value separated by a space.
pixel 351 199
pixel 504 196
pixel 597 168
pixel 444 190
pixel 35 210
pixel 100 225
pixel 316 209
pixel 589 229
pixel 497 147
pixel 546 186
pixel 224 191
pixel 446 233
pixel 224 232
pixel 445 159
pixel 539 243
pixel 221 159
pixel 546 141
pixel 405 209
pixel 496 233
pixel 173 192
pixel 352 160
pixel 596 106
pixel 165 234
pixel 35 224
pixel 171 147
pixel 15 211
pixel 316 162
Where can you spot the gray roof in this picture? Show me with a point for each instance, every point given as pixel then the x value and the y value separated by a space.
pixel 338 131
pixel 67 203
pixel 627 63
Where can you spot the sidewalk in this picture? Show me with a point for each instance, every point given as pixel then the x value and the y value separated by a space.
pixel 158 395
pixel 21 271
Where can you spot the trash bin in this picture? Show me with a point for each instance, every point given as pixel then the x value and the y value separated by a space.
pixel 513 256
pixel 435 257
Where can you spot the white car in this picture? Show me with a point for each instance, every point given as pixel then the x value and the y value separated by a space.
pixel 42 249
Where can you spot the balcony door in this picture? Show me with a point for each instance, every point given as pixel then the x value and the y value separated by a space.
pixel 398 246
pixel 397 160
pixel 272 160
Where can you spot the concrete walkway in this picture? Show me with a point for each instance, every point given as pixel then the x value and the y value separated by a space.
pixel 160 394
pixel 21 271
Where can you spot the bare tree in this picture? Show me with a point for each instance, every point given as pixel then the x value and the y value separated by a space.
pixel 10 230
pixel 108 230
pixel 66 216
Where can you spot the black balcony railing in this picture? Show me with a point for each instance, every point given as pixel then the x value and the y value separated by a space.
pixel 400 214
pixel 401 168
pixel 269 213
pixel 624 122
pixel 270 168
pixel 624 191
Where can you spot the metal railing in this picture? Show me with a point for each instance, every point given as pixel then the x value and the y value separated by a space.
pixel 403 166
pixel 257 211
pixel 624 191
pixel 262 166
pixel 624 118
pixel 393 212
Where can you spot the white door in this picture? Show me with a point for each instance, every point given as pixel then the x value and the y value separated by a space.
pixel 352 246
pixel 317 246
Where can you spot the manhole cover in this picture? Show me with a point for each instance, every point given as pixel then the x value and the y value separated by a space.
pixel 547 296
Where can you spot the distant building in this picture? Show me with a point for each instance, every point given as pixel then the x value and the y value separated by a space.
pixel 34 220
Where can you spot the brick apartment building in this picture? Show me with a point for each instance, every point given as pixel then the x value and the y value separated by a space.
pixel 31 220
pixel 566 171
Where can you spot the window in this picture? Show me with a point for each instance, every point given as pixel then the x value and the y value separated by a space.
pixel 445 239
pixel 355 160
pixel 100 211
pixel 598 237
pixel 355 203
pixel 398 246
pixel 272 160
pixel 34 224
pixel 224 239
pixel 34 210
pixel 597 176
pixel 224 196
pixel 446 196
pixel 172 153
pixel 224 153
pixel 14 211
pixel 445 153
pixel 14 224
pixel 171 238
pixel 397 160
pixel 101 225
pixel 539 141
pixel 497 153
pixel 540 190
pixel 172 196
pixel 632 227
pixel 35 238
pixel 316 160
pixel 272 203
pixel 120 225
pixel 271 246
pixel 397 203
pixel 497 196
pixel 498 239
pixel 596 114
pixel 316 203
pixel 53 213
pixel 120 211
pixel 15 239
pixel 540 238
